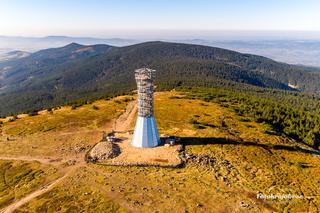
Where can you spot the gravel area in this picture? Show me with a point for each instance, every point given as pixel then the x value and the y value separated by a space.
pixel 158 156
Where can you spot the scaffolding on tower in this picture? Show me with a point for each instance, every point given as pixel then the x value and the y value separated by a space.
pixel 146 132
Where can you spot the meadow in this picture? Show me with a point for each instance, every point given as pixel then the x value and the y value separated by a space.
pixel 230 159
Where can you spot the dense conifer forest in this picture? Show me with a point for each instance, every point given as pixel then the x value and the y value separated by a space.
pixel 294 114
pixel 75 72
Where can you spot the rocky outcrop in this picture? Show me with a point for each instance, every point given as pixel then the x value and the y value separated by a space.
pixel 223 170
pixel 103 151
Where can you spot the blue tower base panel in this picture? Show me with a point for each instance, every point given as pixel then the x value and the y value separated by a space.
pixel 145 133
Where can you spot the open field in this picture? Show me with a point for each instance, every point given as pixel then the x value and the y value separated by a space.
pixel 19 178
pixel 230 159
pixel 62 133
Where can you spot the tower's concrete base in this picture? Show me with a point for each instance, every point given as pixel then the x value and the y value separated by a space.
pixel 145 133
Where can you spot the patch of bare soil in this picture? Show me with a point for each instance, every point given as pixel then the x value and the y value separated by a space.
pixel 158 156
pixel 123 123
pixel 124 154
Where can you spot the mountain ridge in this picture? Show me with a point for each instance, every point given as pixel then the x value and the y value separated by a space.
pixel 50 77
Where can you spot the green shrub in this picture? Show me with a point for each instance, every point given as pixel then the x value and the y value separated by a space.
pixel 95 107
pixel 12 119
pixel 33 113
pixel 245 119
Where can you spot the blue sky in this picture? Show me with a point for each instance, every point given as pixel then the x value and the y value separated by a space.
pixel 125 18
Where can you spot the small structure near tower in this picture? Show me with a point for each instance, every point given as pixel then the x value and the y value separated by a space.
pixel 145 133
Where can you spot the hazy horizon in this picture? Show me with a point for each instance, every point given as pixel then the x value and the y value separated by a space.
pixel 192 35
pixel 209 22
pixel 286 19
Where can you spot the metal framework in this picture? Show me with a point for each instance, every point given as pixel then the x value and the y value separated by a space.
pixel 146 132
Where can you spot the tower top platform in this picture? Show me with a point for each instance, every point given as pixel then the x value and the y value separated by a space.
pixel 144 74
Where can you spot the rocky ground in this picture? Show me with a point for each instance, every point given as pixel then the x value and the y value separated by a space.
pixel 103 151
pixel 127 155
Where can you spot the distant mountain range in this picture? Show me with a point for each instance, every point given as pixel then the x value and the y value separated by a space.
pixel 303 52
pixel 13 55
pixel 298 52
pixel 54 76
pixel 31 44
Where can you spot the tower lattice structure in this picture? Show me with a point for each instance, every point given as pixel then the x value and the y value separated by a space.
pixel 146 132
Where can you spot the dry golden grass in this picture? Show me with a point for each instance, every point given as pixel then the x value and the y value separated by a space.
pixel 247 160
pixel 265 163
pixel 83 118
pixel 143 189
pixel 21 178
pixel 63 133
pixel 81 191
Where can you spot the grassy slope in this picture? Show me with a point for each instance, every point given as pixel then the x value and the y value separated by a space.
pixel 246 160
pixel 82 191
pixel 260 160
pixel 18 179
pixel 60 133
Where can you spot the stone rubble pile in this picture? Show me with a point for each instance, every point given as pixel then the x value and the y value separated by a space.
pixel 104 151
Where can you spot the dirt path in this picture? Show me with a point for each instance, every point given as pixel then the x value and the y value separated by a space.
pixel 79 131
pixel 26 158
pixel 12 207
pixel 122 124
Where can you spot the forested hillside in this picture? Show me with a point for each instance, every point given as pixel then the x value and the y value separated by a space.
pixel 58 76
pixel 292 114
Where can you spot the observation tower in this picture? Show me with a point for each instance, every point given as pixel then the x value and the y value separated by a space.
pixel 145 133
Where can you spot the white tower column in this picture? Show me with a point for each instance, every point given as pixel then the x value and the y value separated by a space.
pixel 145 133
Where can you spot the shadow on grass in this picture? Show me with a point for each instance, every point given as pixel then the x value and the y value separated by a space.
pixel 223 141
